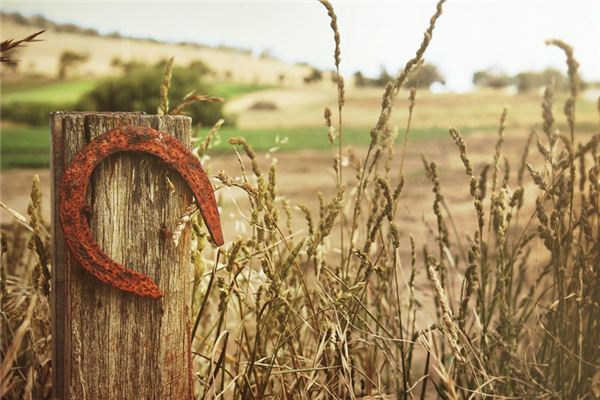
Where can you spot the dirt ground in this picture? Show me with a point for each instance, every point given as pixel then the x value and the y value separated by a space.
pixel 302 174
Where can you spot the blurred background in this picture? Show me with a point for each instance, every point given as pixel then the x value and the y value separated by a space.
pixel 272 63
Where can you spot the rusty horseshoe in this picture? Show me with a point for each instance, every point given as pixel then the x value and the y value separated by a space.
pixel 73 189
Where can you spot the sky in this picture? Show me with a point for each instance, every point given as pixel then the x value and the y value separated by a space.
pixel 470 35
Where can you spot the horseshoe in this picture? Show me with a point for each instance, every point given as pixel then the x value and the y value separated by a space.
pixel 73 189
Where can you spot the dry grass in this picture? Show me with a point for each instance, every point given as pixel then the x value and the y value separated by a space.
pixel 25 318
pixel 509 309
pixel 303 107
pixel 9 45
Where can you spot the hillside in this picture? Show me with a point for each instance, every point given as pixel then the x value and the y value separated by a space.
pixel 43 58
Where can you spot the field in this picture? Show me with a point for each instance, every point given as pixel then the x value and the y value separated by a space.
pixel 30 147
pixel 297 122
pixel 241 67
pixel 433 246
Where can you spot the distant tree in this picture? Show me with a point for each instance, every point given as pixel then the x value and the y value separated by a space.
pixel 162 63
pixel 360 80
pixel 333 76
pixel 314 76
pixel 69 28
pixel 281 78
pixel 530 80
pixel 560 80
pixel 524 81
pixel 89 31
pixel 266 54
pixel 424 77
pixel 68 60
pixel 527 81
pixel 38 20
pixel 199 67
pixel 18 18
pixel 491 79
pixel 383 78
pixel 116 62
pixel 126 66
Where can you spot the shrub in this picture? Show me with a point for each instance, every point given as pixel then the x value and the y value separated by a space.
pixel 492 79
pixel 126 66
pixel 314 76
pixel 200 68
pixel 138 91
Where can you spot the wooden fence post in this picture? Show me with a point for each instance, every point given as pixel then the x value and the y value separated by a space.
pixel 109 344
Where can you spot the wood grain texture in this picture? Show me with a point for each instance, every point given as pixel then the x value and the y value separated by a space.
pixel 109 344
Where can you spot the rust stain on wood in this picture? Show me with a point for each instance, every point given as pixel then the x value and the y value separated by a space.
pixel 75 182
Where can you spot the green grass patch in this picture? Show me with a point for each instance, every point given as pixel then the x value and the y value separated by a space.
pixel 59 92
pixel 309 138
pixel 30 147
pixel 24 148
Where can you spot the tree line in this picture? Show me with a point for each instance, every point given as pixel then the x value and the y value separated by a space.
pixel 428 74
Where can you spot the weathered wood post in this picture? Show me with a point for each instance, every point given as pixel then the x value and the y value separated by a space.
pixel 109 344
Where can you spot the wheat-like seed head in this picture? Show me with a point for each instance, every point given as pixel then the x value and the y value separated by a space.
pixel 163 107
